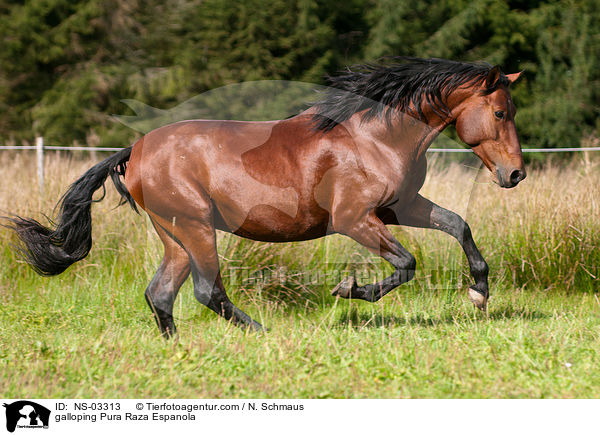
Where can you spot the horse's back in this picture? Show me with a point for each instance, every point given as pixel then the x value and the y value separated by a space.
pixel 258 176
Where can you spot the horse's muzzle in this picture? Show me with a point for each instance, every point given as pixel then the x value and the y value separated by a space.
pixel 511 178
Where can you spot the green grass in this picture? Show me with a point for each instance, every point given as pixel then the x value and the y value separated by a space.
pixel 88 332
pixel 103 343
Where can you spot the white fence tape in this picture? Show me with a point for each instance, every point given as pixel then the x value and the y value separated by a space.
pixel 525 150
pixel 40 148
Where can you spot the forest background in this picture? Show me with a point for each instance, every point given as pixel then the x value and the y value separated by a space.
pixel 66 65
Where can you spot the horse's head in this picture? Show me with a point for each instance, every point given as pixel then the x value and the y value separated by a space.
pixel 486 122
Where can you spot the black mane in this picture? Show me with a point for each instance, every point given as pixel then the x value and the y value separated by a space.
pixel 404 85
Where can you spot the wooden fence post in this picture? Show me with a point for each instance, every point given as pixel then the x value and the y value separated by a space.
pixel 39 146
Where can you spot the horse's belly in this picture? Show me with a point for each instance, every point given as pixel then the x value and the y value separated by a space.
pixel 270 224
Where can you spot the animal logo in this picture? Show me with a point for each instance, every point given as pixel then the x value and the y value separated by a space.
pixel 26 414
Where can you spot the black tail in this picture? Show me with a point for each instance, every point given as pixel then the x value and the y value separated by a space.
pixel 50 251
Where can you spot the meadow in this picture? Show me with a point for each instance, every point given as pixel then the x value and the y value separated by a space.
pixel 88 332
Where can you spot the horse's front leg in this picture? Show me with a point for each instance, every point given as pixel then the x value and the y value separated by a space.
pixel 370 232
pixel 425 214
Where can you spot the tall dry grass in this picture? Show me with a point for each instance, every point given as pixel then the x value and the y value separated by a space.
pixel 540 235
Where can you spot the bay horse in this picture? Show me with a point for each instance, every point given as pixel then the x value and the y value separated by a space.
pixel 352 163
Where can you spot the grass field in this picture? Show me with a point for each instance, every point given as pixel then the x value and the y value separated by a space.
pixel 88 332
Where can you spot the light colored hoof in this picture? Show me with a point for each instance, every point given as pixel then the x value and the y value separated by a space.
pixel 344 288
pixel 477 298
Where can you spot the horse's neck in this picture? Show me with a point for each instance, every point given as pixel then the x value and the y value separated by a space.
pixel 414 135
pixel 404 133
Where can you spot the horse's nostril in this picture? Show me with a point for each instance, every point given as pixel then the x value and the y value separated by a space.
pixel 516 176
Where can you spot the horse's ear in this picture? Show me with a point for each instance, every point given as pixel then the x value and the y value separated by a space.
pixel 492 77
pixel 514 77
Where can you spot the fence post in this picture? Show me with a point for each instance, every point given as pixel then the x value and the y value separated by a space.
pixel 39 146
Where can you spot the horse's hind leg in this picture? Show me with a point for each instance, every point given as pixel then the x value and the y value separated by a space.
pixel 209 291
pixel 171 274
pixel 208 285
pixel 199 241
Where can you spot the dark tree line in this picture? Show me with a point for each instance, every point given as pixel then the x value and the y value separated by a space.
pixel 65 65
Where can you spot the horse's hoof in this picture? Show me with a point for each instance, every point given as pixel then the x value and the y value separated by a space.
pixel 344 288
pixel 479 300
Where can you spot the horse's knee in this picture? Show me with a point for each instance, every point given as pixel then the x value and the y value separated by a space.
pixel 410 268
pixel 410 265
pixel 480 268
pixel 405 268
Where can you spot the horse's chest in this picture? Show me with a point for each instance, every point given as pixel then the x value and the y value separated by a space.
pixel 402 183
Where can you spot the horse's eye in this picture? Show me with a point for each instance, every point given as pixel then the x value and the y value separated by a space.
pixel 499 114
